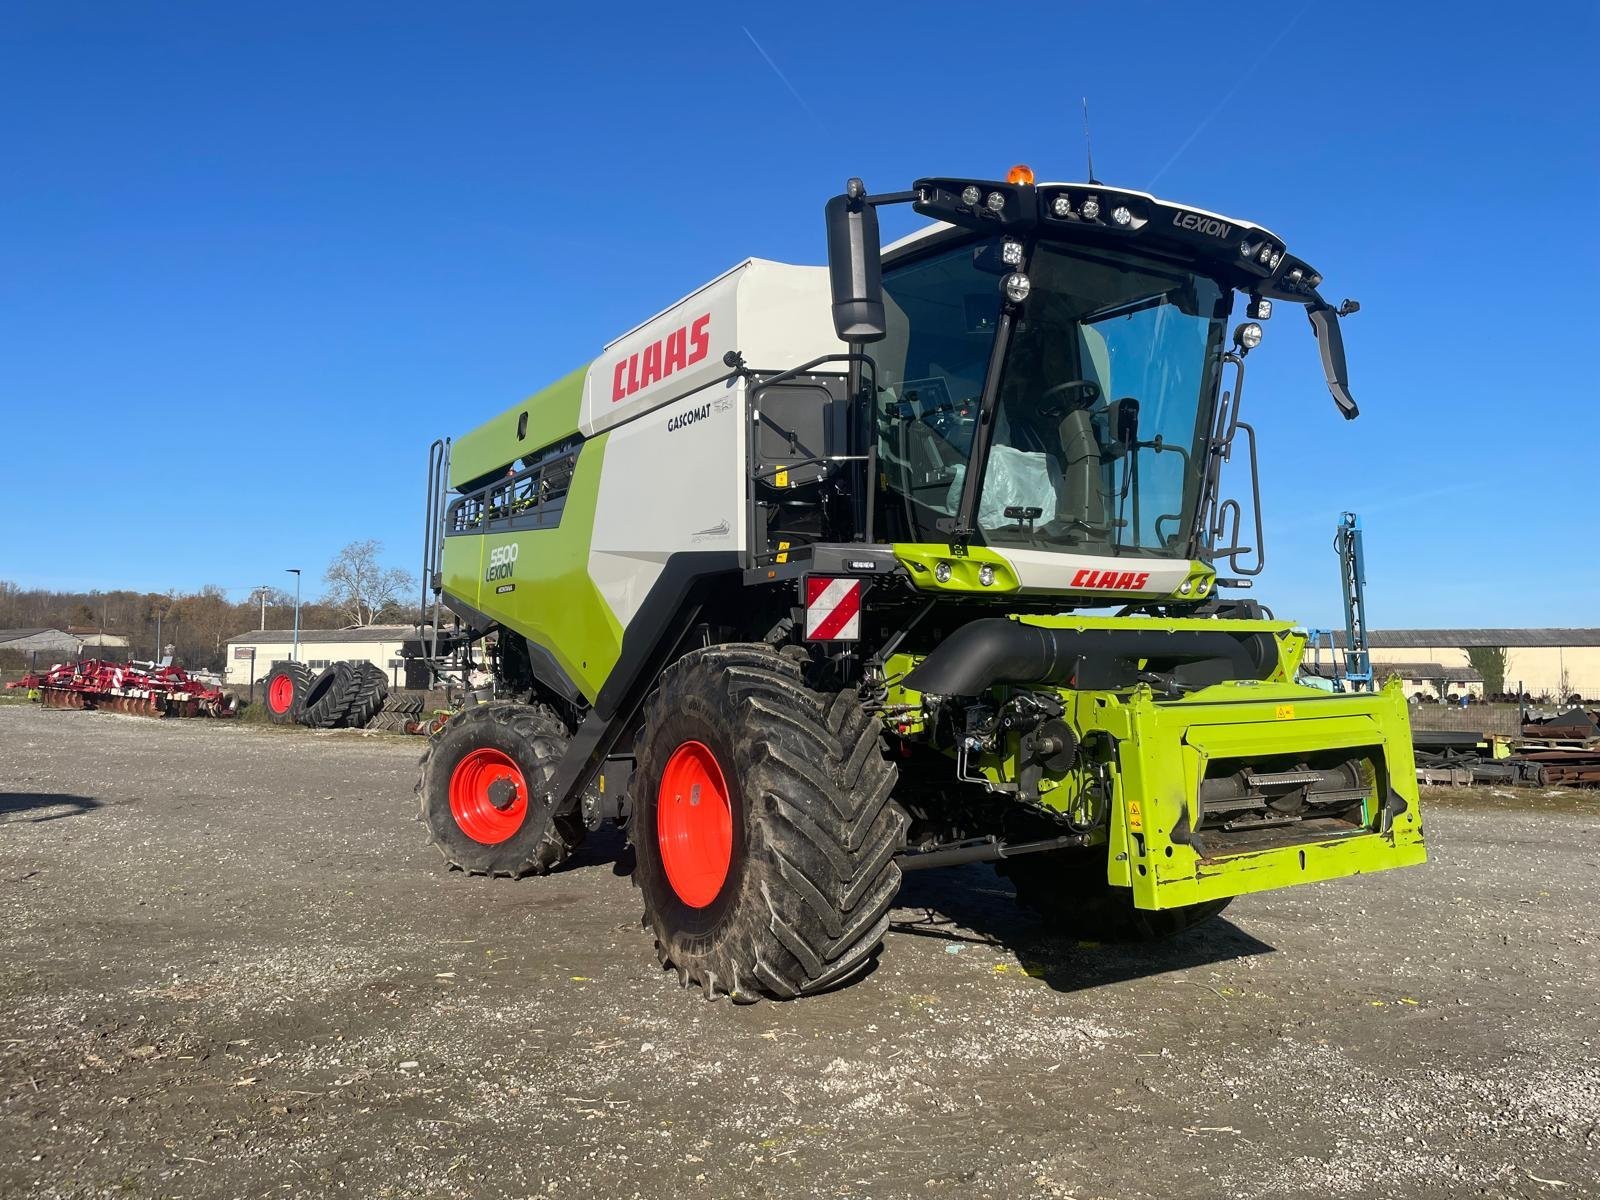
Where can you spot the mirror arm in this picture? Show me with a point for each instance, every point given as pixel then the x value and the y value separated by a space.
pixel 1324 320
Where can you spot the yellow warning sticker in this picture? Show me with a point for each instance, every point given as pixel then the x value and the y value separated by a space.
pixel 1285 712
pixel 783 552
pixel 781 479
pixel 1135 816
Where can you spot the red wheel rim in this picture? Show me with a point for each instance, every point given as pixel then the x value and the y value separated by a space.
pixel 488 796
pixel 694 824
pixel 281 694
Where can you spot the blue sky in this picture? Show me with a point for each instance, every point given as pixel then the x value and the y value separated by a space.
pixel 255 257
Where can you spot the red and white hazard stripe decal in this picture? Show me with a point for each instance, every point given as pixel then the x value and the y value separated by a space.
pixel 833 609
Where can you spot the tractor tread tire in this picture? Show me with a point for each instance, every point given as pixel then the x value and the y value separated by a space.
pixel 813 876
pixel 325 699
pixel 406 705
pixel 302 679
pixel 536 738
pixel 365 695
pixel 1069 891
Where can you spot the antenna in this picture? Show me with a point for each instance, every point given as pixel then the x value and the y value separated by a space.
pixel 1088 146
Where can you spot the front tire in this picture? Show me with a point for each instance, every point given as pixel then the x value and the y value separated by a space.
pixel 478 774
pixel 763 828
pixel 1068 889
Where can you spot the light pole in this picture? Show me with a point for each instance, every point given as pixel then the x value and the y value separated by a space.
pixel 262 592
pixel 294 651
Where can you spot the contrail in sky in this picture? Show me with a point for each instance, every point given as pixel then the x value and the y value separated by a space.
pixel 1245 76
pixel 799 99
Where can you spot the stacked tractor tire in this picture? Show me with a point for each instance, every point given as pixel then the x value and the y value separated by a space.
pixel 343 695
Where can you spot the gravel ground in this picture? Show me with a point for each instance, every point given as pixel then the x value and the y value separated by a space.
pixel 232 967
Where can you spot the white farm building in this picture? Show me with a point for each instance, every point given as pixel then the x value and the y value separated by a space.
pixel 251 655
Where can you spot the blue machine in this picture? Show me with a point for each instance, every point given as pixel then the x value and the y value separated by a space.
pixel 1357 673
pixel 1353 580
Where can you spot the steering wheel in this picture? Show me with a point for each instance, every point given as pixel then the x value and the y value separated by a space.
pixel 1055 401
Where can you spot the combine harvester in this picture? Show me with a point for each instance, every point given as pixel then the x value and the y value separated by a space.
pixel 810 602
pixel 137 689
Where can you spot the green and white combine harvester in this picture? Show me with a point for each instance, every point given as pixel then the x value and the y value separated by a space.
pixel 824 574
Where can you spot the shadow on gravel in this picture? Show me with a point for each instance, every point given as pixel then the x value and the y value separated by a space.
pixel 17 808
pixel 971 905
pixel 606 847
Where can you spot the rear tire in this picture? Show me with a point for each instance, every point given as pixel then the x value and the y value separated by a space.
pixel 464 801
pixel 324 704
pixel 284 692
pixel 785 887
pixel 365 695
pixel 1068 889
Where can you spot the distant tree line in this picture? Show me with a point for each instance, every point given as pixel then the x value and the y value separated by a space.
pixel 359 590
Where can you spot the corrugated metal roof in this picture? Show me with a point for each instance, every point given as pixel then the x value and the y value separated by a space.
pixel 1410 639
pixel 13 635
pixel 285 637
pixel 1406 670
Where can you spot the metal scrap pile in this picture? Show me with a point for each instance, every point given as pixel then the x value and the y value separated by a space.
pixel 1558 748
pixel 139 689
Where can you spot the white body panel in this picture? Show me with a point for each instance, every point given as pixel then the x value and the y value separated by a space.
pixel 776 315
pixel 672 480
pixel 1054 571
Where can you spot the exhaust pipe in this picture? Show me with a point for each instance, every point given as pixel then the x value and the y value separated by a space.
pixel 998 650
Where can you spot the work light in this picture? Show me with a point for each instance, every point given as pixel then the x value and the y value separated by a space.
pixel 1091 210
pixel 1011 253
pixel 1016 287
pixel 1122 216
pixel 970 195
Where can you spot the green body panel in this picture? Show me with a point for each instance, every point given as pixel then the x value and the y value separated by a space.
pixel 922 559
pixel 494 445
pixel 1155 756
pixel 552 600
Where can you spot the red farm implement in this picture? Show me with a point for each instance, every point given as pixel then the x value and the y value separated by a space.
pixel 139 689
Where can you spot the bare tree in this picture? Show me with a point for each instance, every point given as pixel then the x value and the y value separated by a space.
pixel 359 586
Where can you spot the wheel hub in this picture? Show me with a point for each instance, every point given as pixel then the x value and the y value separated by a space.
pixel 502 792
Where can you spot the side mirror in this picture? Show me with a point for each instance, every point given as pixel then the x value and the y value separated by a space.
pixel 1330 343
pixel 855 269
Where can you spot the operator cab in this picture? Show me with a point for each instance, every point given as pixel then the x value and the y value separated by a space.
pixel 1100 422
pixel 1048 364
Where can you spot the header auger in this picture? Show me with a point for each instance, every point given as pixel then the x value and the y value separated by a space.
pixel 823 574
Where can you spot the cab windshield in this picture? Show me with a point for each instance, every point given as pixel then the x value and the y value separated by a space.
pixel 1104 399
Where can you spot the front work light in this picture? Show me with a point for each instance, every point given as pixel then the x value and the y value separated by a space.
pixel 1016 287
pixel 971 195
pixel 1011 253
pixel 1248 335
pixel 1122 216
pixel 996 202
pixel 1091 210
